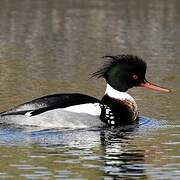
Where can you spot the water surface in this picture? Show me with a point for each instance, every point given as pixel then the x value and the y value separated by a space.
pixel 53 46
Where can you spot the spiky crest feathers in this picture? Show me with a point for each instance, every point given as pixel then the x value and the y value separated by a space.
pixel 118 59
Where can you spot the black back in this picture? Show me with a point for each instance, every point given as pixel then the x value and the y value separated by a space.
pixel 51 102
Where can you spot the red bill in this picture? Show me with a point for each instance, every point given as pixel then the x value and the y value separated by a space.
pixel 153 87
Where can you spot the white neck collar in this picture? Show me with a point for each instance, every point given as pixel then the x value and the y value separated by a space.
pixel 111 92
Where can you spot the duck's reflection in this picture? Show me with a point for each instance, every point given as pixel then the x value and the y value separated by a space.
pixel 121 156
pixel 118 153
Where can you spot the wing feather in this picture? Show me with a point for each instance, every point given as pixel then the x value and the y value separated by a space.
pixel 50 102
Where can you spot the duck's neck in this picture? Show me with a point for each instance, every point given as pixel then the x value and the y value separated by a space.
pixel 121 105
pixel 111 92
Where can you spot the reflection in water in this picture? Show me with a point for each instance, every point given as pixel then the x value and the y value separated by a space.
pixel 103 152
pixel 121 158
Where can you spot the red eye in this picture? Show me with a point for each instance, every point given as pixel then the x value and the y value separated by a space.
pixel 135 76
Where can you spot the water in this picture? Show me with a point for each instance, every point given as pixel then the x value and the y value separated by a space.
pixel 53 46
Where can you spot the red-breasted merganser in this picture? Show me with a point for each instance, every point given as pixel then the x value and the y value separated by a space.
pixel 116 108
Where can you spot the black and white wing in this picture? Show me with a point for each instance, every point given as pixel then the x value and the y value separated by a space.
pixel 50 102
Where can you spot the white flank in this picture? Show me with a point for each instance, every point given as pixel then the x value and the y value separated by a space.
pixel 111 92
pixel 78 116
pixel 88 108
pixel 56 118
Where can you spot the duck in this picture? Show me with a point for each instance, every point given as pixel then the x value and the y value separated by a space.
pixel 71 110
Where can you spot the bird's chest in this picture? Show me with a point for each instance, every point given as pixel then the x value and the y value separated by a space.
pixel 118 111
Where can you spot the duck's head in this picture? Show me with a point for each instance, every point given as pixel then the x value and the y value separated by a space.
pixel 123 72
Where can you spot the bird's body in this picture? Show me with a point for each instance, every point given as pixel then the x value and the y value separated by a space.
pixel 75 110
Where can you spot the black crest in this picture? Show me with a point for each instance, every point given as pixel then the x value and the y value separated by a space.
pixel 119 59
